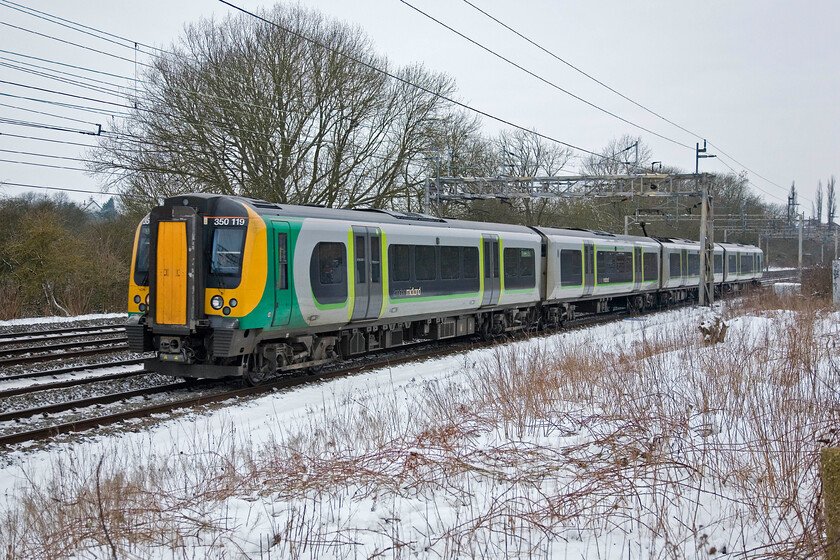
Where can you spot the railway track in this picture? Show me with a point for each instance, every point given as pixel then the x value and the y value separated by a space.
pixel 204 397
pixel 204 393
pixel 55 334
pixel 70 369
pixel 60 351
pixel 30 389
pixel 45 410
pixel 773 276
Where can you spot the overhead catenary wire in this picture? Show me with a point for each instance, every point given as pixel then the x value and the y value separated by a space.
pixel 65 65
pixel 65 41
pixel 65 189
pixel 112 113
pixel 72 25
pixel 49 165
pixel 44 113
pixel 135 139
pixel 136 103
pixel 625 97
pixel 45 126
pixel 41 139
pixel 94 100
pixel 544 80
pixel 75 79
pixel 580 71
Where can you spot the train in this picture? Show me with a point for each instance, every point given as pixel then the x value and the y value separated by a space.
pixel 225 286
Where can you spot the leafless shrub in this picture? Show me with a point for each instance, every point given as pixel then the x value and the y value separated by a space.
pixel 646 437
pixel 13 301
pixel 817 281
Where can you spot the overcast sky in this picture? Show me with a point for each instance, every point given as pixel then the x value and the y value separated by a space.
pixel 758 79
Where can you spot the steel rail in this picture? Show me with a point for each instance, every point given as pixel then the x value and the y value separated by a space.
pixel 70 383
pixel 58 333
pixel 60 356
pixel 61 345
pixel 70 369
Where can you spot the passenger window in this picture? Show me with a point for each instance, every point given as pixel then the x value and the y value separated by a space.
pixel 327 272
pixel 519 268
pixel 694 264
pixel 331 263
pixel 746 264
pixel 511 263
pixel 425 267
pixel 450 263
pixel 470 262
pixel 651 266
pixel 526 263
pixel 675 271
pixel 399 257
pixel 571 267
pixel 614 267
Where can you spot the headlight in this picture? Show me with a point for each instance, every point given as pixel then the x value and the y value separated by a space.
pixel 216 302
pixel 136 299
pixel 233 302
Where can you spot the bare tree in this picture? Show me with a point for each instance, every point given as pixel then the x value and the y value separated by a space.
pixel 253 108
pixel 621 156
pixel 831 201
pixel 793 202
pixel 525 154
pixel 817 206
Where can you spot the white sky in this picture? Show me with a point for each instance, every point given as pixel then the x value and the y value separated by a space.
pixel 758 79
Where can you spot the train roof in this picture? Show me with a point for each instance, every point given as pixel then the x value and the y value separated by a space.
pixel 363 215
pixel 582 232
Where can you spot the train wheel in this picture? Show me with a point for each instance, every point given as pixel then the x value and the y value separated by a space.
pixel 255 372
pixel 486 331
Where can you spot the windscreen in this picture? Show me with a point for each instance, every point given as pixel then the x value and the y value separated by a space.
pixel 141 259
pixel 225 259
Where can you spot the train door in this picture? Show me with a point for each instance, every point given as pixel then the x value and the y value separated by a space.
pixel 174 292
pixel 282 274
pixel 684 267
pixel 492 278
pixel 637 268
pixel 367 249
pixel 588 268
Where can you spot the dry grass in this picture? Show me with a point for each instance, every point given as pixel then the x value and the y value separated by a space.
pixel 650 444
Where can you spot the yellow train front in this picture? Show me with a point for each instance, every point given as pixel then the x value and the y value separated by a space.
pixel 199 285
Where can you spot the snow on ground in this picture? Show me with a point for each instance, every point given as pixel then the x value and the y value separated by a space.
pixel 56 319
pixel 489 482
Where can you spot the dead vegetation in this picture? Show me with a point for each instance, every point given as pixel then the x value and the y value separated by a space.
pixel 647 442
